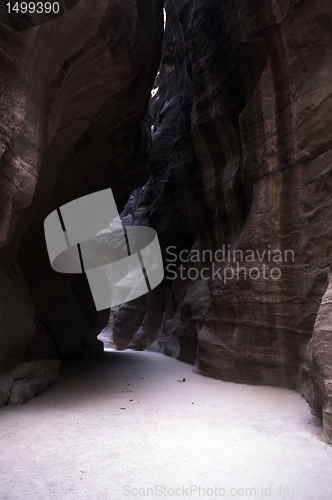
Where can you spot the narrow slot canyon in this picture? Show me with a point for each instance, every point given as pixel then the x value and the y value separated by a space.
pixel 165 249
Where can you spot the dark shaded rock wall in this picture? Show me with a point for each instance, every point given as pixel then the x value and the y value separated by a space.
pixel 74 92
pixel 239 140
pixel 241 156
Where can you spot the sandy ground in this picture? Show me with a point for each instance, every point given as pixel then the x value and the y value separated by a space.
pixel 125 427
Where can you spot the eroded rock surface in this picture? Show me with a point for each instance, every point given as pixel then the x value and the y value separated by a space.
pixel 320 366
pixel 241 156
pixel 73 94
pixel 239 159
pixel 28 380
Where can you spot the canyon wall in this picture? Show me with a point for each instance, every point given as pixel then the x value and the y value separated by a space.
pixel 231 164
pixel 74 92
pixel 240 160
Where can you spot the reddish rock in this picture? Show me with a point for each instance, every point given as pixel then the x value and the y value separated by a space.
pixel 74 91
pixel 241 156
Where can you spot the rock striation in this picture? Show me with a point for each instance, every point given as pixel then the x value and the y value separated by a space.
pixel 73 94
pixel 240 161
pixel 28 380
pixel 238 187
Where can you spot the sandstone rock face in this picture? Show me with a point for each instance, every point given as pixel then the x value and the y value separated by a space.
pixel 241 156
pixel 320 367
pixel 73 94
pixel 239 161
pixel 6 385
pixel 28 380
